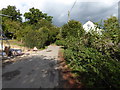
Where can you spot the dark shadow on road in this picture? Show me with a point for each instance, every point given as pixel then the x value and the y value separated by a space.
pixel 9 75
pixel 32 72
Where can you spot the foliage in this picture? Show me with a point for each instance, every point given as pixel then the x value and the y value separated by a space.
pixel 38 38
pixel 12 13
pixel 34 15
pixel 41 37
pixel 94 69
pixel 11 21
pixel 93 57
pixel 72 28
pixel 53 32
pixel 21 34
pixel 42 23
pixel 60 42
pixel 38 25
pixel 112 29
pixel 11 28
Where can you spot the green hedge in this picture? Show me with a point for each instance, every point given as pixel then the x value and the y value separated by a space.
pixel 41 37
pixel 94 69
pixel 92 57
pixel 60 42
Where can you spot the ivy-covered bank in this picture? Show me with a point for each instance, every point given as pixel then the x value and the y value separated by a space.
pixel 94 58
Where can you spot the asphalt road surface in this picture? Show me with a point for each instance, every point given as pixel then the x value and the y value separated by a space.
pixel 38 70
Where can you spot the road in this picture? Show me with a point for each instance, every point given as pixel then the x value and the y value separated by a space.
pixel 38 70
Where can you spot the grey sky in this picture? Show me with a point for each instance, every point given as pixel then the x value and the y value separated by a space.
pixel 82 11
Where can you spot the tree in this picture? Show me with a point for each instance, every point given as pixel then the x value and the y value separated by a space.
pixel 112 31
pixel 72 28
pixel 92 57
pixel 11 28
pixel 42 23
pixel 38 39
pixel 34 15
pixel 12 12
pixel 12 22
pixel 21 34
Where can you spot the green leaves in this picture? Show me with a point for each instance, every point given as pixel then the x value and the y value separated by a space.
pixel 37 30
pixel 72 28
pixel 12 12
pixel 34 15
pixel 12 27
pixel 43 33
pixel 112 29
pixel 92 56
pixel 11 23
pixel 94 65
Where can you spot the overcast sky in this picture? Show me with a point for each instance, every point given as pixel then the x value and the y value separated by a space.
pixel 83 10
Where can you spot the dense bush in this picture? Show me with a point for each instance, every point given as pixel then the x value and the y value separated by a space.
pixel 60 42
pixel 40 38
pixel 95 69
pixel 37 30
pixel 72 28
pixel 94 57
pixel 35 38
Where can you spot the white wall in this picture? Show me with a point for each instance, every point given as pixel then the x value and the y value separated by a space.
pixel 88 26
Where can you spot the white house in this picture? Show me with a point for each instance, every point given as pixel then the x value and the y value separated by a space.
pixel 88 26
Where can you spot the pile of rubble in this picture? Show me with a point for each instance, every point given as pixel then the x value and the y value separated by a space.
pixel 8 53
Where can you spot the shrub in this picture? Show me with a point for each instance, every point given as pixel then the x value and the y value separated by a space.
pixel 36 38
pixel 93 57
pixel 60 42
pixel 95 69
pixel 41 37
pixel 72 28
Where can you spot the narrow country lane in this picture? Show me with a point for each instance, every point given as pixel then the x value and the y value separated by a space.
pixel 38 70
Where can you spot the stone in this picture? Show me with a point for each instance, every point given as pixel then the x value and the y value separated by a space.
pixel 35 49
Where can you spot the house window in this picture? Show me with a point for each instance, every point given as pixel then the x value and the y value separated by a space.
pixel 88 25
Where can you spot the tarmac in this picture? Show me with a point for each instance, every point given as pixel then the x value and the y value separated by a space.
pixel 37 70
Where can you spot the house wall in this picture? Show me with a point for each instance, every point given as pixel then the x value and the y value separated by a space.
pixel 88 26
